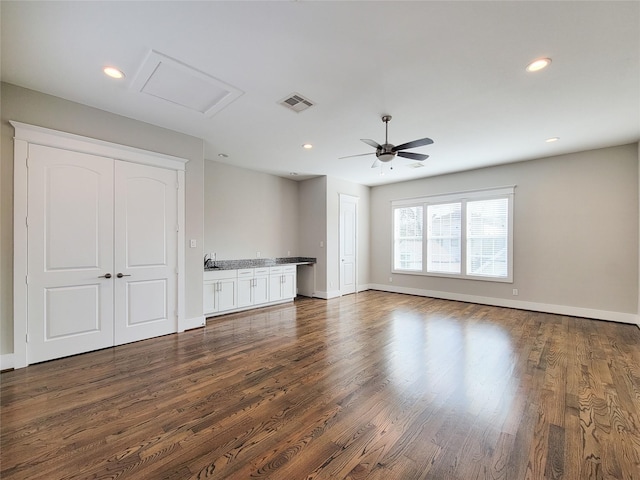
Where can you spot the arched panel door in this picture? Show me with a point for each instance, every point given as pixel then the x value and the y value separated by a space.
pixel 70 253
pixel 145 252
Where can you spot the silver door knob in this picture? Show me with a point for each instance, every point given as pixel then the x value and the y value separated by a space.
pixel 120 275
pixel 106 275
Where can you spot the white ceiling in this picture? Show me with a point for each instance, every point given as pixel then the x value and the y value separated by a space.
pixel 451 71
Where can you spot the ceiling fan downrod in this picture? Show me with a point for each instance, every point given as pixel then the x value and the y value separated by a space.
pixel 386 119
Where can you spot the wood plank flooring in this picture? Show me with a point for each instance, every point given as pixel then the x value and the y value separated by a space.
pixel 369 386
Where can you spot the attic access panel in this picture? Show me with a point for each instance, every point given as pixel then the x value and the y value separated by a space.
pixel 178 83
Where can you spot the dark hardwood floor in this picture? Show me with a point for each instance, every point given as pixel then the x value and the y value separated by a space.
pixel 369 386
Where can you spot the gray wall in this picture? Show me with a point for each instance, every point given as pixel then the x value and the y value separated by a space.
pixel 575 230
pixel 589 199
pixel 312 229
pixel 35 108
pixel 246 212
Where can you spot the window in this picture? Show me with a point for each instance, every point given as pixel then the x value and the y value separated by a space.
pixel 469 235
pixel 443 238
pixel 407 236
pixel 488 237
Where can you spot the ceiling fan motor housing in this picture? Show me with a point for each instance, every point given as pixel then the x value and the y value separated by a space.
pixel 384 153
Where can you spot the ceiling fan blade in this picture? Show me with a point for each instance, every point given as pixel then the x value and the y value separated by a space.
pixel 376 164
pixel 413 156
pixel 373 143
pixel 414 144
pixel 358 155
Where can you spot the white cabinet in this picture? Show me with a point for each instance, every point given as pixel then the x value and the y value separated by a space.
pixel 245 287
pixel 261 286
pixel 227 291
pixel 282 283
pixel 220 291
pixel 253 286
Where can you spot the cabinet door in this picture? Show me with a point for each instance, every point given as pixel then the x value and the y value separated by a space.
pixel 245 292
pixel 209 294
pixel 260 290
pixel 275 288
pixel 227 295
pixel 289 285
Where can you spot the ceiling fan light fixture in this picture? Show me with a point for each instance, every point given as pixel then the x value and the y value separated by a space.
pixel 386 157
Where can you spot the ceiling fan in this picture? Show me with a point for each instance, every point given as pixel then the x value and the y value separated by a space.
pixel 387 152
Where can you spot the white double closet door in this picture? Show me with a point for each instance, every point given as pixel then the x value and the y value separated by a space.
pixel 102 252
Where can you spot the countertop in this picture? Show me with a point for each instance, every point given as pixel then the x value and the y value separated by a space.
pixel 256 262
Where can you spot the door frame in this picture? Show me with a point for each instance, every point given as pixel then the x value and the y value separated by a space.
pixel 26 134
pixel 344 198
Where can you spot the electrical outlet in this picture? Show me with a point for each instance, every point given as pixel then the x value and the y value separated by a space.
pixel 390 279
pixel 257 254
pixel 194 243
pixel 515 291
pixel 288 253
pixel 321 244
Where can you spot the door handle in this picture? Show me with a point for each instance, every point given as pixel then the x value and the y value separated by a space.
pixel 120 275
pixel 106 275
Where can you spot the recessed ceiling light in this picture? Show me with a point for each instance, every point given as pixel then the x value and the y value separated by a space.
pixel 223 155
pixel 552 139
pixel 293 174
pixel 307 146
pixel 538 64
pixel 113 72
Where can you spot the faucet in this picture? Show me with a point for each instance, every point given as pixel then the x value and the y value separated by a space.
pixel 209 260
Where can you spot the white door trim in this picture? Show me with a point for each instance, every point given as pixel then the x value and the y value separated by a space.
pixel 69 141
pixel 26 134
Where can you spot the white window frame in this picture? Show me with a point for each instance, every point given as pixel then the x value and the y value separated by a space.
pixel 462 198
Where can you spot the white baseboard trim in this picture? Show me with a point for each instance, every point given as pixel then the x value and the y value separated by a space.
pixel 621 317
pixel 333 294
pixel 190 323
pixel 327 295
pixel 249 307
pixel 6 361
pixel 336 293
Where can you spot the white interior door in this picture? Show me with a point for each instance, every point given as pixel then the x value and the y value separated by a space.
pixel 145 252
pixel 348 257
pixel 70 253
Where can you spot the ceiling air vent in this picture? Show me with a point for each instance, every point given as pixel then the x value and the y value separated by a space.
pixel 416 165
pixel 296 102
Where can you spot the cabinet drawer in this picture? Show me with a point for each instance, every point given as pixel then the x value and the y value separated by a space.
pixel 261 271
pixel 275 270
pixel 289 269
pixel 220 274
pixel 245 272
